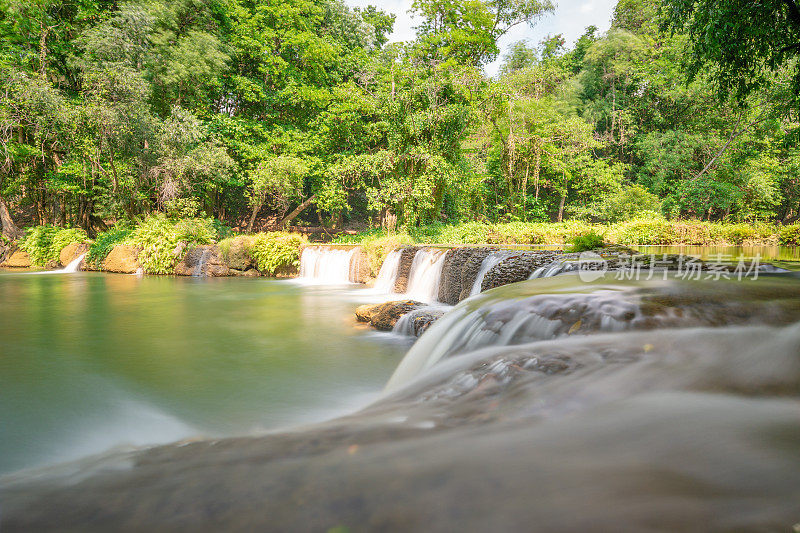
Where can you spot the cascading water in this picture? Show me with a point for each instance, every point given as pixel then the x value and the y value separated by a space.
pixel 425 275
pixel 536 311
pixel 488 263
pixel 74 265
pixel 201 263
pixel 327 265
pixel 388 274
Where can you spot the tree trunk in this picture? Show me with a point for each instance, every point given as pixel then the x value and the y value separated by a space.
pixel 299 209
pixel 256 209
pixel 561 206
pixel 7 225
pixel 537 169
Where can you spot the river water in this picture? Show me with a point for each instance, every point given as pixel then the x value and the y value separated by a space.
pixel 93 361
pixel 546 405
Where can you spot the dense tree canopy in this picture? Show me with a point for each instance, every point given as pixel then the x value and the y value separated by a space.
pixel 264 112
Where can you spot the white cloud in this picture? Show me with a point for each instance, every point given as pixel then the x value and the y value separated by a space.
pixel 571 18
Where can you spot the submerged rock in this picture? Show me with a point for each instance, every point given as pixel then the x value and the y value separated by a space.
pixel 384 316
pixel 249 273
pixel 122 259
pixel 18 259
pixel 203 261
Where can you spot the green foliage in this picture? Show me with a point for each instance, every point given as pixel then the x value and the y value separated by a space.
pixel 277 252
pixel 44 243
pixel 164 241
pixel 587 242
pixel 104 243
pixel 243 111
pixel 789 235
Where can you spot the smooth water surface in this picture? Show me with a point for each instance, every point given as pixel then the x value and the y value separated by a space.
pixel 89 361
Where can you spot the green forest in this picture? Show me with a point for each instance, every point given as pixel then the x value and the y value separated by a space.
pixel 268 114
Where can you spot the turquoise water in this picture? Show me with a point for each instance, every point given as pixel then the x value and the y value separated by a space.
pixel 91 362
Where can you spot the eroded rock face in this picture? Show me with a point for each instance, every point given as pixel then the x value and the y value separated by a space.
pixel 18 259
pixel 515 268
pixel 404 268
pixel 384 316
pixel 203 261
pixel 71 252
pixel 122 259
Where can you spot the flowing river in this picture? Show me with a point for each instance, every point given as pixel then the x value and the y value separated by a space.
pixel 547 405
pixel 92 361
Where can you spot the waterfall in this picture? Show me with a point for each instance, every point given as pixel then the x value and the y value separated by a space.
pixel 74 265
pixel 201 263
pixel 537 311
pixel 426 273
pixel 388 274
pixel 327 265
pixel 488 263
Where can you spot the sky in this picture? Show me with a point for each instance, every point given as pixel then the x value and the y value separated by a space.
pixel 570 19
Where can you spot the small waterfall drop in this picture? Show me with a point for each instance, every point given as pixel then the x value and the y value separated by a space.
pixel 201 263
pixel 74 265
pixel 488 263
pixel 388 274
pixel 426 273
pixel 327 265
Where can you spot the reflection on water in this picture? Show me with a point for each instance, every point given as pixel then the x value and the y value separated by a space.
pixel 93 361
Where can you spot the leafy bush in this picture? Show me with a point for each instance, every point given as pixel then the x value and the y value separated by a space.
pixel 44 243
pixel 159 237
pixel 278 250
pixel 789 235
pixel 104 243
pixel 643 231
pixel 584 243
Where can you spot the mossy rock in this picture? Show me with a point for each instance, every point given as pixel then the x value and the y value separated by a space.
pixel 18 259
pixel 122 259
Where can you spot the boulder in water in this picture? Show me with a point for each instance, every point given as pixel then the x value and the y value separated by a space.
pixel 71 252
pixel 203 261
pixel 122 259
pixel 18 259
pixel 384 316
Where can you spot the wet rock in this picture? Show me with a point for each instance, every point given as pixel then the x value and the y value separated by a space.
pixel 122 259
pixel 384 316
pixel 71 252
pixel 404 268
pixel 18 259
pixel 249 273
pixel 450 286
pixel 471 268
pixel 424 319
pixel 203 261
pixel 53 264
pixel 516 268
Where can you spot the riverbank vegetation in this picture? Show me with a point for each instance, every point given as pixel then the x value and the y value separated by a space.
pixel 271 114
